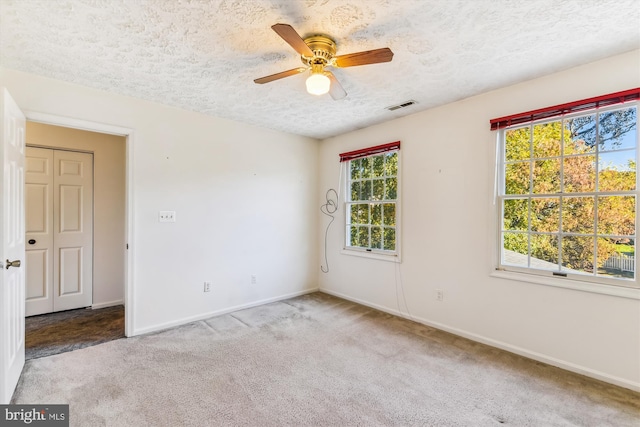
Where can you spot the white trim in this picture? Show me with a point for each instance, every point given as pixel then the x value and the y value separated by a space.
pixel 70 122
pixel 395 257
pixel 34 116
pixel 567 283
pixel 129 300
pixel 107 304
pixel 209 314
pixel 592 373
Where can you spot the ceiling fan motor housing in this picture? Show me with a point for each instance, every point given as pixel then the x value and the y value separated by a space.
pixel 323 49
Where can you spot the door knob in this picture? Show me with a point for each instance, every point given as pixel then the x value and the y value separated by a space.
pixel 32 241
pixel 15 263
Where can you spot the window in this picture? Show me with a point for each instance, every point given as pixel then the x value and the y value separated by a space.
pixel 567 195
pixel 372 200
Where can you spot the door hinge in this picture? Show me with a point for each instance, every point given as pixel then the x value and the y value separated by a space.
pixel 127 246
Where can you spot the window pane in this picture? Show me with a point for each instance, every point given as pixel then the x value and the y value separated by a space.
pixel 515 214
pixel 366 167
pixel 579 174
pixel 390 239
pixel 363 237
pixel 353 236
pixel 376 237
pixel 545 215
pixel 616 258
pixel 617 171
pixel 391 164
pixel 574 140
pixel 578 215
pixel 352 213
pixel 546 176
pixel 515 249
pixel 355 169
pixel 355 191
pixel 580 135
pixel 389 210
pixel 516 178
pixel 617 215
pixel 378 166
pixel 517 144
pixel 355 214
pixel 544 252
pixel 577 254
pixel 376 214
pixel 546 139
pixel 617 129
pixel 363 214
pixel 365 190
pixel 378 189
pixel 391 188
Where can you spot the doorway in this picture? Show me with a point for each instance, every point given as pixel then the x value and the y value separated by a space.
pixel 107 155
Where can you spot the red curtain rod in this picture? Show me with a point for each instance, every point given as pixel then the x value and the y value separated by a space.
pixel 364 152
pixel 570 107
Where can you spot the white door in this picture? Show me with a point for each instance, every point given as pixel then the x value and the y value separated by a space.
pixel 59 233
pixel 39 230
pixel 12 250
pixel 72 230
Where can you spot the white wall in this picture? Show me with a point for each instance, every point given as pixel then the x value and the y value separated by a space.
pixel 245 199
pixel 109 202
pixel 448 219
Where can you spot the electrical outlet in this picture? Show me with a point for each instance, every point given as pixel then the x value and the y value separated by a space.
pixel 167 216
pixel 439 295
pixel 254 279
pixel 207 286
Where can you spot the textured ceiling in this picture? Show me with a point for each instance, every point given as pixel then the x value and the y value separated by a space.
pixel 204 55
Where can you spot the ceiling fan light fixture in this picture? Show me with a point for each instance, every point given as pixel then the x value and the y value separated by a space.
pixel 318 84
pixel 317 53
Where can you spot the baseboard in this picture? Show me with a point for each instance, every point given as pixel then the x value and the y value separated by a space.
pixel 107 304
pixel 185 320
pixel 499 344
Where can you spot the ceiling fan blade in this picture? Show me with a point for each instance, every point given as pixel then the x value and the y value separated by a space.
pixel 278 76
pixel 290 35
pixel 363 58
pixel 335 90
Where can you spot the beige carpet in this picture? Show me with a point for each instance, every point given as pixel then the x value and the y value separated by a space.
pixel 316 360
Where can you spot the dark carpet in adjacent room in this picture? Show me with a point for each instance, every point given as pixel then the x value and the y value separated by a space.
pixel 64 331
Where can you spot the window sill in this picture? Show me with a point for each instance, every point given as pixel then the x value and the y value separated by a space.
pixel 598 288
pixel 371 255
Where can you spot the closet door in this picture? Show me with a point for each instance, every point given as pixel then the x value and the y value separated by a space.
pixel 39 230
pixel 73 230
pixel 59 230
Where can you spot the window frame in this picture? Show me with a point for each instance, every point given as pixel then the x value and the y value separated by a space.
pixel 372 253
pixel 585 282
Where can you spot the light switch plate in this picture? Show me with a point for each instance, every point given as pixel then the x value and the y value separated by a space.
pixel 167 216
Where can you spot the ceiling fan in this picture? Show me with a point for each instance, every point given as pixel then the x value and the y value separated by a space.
pixel 318 53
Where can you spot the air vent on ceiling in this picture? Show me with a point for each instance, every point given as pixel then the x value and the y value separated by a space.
pixel 403 105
